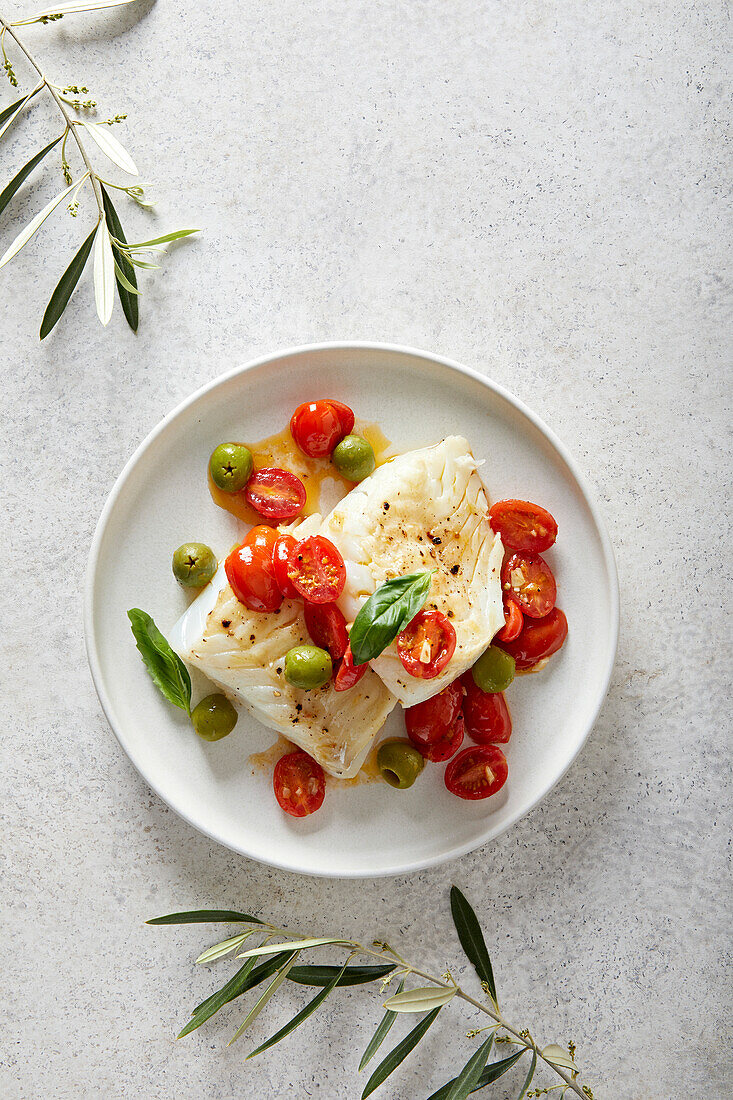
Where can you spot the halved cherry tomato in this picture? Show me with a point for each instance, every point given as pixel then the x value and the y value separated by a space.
pixel 477 772
pixel 299 783
pixel 327 628
pixel 540 638
pixel 513 622
pixel 487 717
pixel 318 426
pixel 528 580
pixel 523 525
pixel 283 558
pixel 429 721
pixel 275 494
pixel 250 570
pixel 317 570
pixel 348 673
pixel 444 747
pixel 427 644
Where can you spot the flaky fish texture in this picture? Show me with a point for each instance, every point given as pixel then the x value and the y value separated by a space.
pixel 244 653
pixel 424 510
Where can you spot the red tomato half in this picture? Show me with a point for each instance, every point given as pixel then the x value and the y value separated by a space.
pixel 427 644
pixel 282 557
pixel 348 673
pixel 430 721
pixel 318 426
pixel 275 494
pixel 444 747
pixel 528 580
pixel 327 628
pixel 523 526
pixel 477 772
pixel 540 638
pixel 250 570
pixel 300 785
pixel 318 572
pixel 513 622
pixel 487 717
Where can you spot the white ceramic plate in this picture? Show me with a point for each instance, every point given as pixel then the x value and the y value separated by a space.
pixel 161 499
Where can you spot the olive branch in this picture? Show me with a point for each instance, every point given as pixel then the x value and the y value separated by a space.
pixel 115 260
pixel 275 960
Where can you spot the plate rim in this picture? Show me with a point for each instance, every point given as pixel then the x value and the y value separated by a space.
pixel 589 496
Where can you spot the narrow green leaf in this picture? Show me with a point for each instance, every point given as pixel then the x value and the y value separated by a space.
pixel 128 297
pixel 468 1079
pixel 490 1074
pixel 206 916
pixel 387 611
pixel 528 1078
pixel 380 1034
pixel 421 999
pixel 8 111
pixel 290 945
pixel 472 940
pixel 141 263
pixel 352 975
pixel 558 1056
pixel 246 978
pixel 399 1053
pixel 123 282
pixel 270 992
pixel 35 224
pixel 65 287
pixel 166 668
pixel 25 171
pixel 219 950
pixel 15 110
pixel 176 236
pixel 304 1013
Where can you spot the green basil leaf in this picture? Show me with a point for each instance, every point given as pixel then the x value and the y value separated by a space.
pixel 400 1052
pixel 352 975
pixel 387 611
pixel 206 916
pixel 304 1013
pixel 246 978
pixel 472 940
pixel 166 668
pixel 490 1074
pixel 65 287
pixel 25 171
pixel 128 300
pixel 380 1034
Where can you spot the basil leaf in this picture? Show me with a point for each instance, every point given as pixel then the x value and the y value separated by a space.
pixel 166 668
pixel 387 611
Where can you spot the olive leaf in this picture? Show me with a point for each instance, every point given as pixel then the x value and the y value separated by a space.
pixel 350 975
pixel 33 226
pixel 380 1034
pixel 270 948
pixel 164 239
pixel 126 278
pixel 104 273
pixel 421 999
pixel 269 993
pixel 472 940
pixel 490 1074
pixel 246 978
pixel 558 1056
pixel 9 115
pixel 399 1053
pixel 206 916
pixel 20 177
pixel 219 950
pixel 468 1079
pixel 166 668
pixel 304 1013
pixel 528 1078
pixel 65 286
pixel 110 146
pixel 387 611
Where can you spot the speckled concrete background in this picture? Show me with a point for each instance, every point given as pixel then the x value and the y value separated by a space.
pixel 534 189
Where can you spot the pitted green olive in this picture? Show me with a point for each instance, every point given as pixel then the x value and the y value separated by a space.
pixel 214 717
pixel 230 466
pixel 194 564
pixel 400 763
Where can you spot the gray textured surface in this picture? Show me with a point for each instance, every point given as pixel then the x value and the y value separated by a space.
pixel 531 188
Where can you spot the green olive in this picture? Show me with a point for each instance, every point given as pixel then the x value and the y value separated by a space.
pixel 307 667
pixel 194 564
pixel 214 717
pixel 354 458
pixel 400 763
pixel 494 670
pixel 230 466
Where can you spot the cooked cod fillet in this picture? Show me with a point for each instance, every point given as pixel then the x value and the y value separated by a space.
pixel 424 510
pixel 244 651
